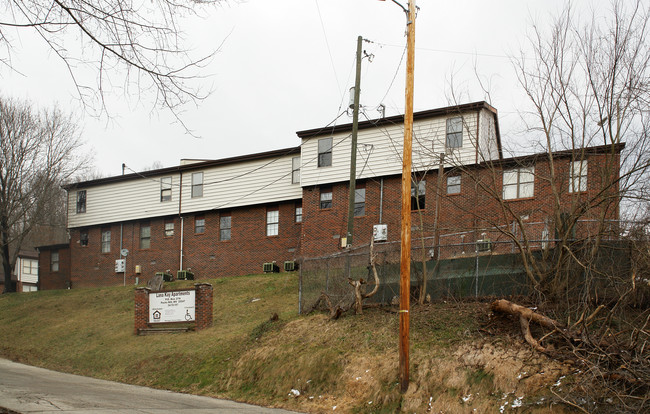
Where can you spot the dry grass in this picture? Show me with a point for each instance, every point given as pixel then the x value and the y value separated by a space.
pixel 350 364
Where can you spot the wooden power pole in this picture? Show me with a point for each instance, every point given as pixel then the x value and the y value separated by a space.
pixel 353 147
pixel 405 260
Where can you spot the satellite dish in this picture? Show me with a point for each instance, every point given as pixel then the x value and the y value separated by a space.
pixel 124 252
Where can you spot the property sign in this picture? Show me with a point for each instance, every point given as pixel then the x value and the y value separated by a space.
pixel 172 306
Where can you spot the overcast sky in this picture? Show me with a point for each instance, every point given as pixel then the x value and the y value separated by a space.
pixel 287 65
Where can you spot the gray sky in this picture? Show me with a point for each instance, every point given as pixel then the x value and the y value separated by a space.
pixel 287 65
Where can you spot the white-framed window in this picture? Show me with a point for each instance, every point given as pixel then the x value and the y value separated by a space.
pixel 81 201
pixel 578 176
pixel 225 227
pixel 418 194
pixel 326 197
pixel 83 238
pixel 30 267
pixel 453 184
pixel 54 260
pixel 272 222
pixel 518 183
pixel 298 214
pixel 359 202
pixel 169 228
pixel 197 184
pixel 455 132
pixel 145 236
pixel 106 241
pixel 295 170
pixel 199 225
pixel 325 152
pixel 165 189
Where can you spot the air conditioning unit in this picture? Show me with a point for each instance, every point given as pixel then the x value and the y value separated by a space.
pixel 270 268
pixel 290 266
pixel 184 275
pixel 166 276
pixel 483 245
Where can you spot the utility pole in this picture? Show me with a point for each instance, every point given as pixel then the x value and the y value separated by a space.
pixel 405 259
pixel 353 148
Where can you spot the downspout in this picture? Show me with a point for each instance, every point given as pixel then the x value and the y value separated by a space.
pixel 180 214
pixel 381 200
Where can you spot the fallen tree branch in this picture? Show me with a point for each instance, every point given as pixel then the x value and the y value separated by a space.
pixel 525 316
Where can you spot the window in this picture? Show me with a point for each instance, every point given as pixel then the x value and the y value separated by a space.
pixel 165 189
pixel 145 236
pixel 225 227
pixel 578 177
pixel 326 197
pixel 359 202
pixel 455 132
pixel 81 201
pixel 54 261
pixel 298 216
pixel 106 241
pixel 325 152
pixel 453 184
pixel 518 183
pixel 295 170
pixel 272 222
pixel 83 238
pixel 169 228
pixel 199 224
pixel 197 184
pixel 30 267
pixel 418 190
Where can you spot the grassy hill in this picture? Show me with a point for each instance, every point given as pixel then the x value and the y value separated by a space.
pixel 305 363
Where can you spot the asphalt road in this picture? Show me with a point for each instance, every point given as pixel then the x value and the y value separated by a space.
pixel 27 389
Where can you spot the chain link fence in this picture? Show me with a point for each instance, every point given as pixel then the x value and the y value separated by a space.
pixel 488 265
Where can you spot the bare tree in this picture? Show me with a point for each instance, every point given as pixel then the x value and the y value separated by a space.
pixel 38 152
pixel 588 89
pixel 137 44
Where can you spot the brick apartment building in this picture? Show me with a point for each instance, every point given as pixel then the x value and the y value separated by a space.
pixel 228 217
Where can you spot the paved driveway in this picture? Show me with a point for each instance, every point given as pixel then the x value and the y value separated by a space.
pixel 28 389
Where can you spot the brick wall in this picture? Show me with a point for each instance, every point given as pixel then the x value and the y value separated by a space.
pixel 474 213
pixel 49 279
pixel 204 253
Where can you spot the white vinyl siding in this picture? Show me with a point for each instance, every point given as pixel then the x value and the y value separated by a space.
pixel 379 150
pixel 266 180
